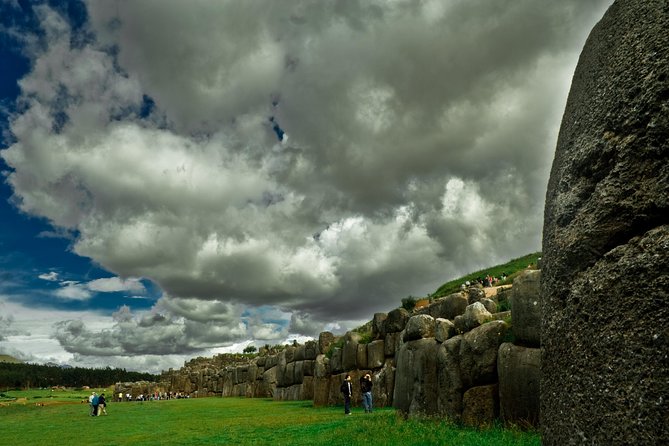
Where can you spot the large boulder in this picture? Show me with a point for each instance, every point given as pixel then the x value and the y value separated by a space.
pixel 396 321
pixel 526 308
pixel 361 357
pixel 419 326
pixel 416 378
pixel 311 350
pixel 447 307
pixel 480 405
pixel 335 361
pixel 349 357
pixel 377 325
pixel 392 343
pixel 375 354
pixel 605 374
pixel 444 329
pixel 384 385
pixel 325 339
pixel 475 315
pixel 466 361
pixel 518 369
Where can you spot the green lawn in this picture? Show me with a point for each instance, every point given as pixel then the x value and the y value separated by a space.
pixel 228 421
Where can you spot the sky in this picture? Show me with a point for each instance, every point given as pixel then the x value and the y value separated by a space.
pixel 182 179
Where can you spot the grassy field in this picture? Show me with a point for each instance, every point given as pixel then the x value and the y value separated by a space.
pixel 225 421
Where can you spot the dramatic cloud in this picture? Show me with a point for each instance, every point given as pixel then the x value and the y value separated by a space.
pixel 321 159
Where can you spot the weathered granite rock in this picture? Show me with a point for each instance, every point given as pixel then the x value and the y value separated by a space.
pixel 447 307
pixel 375 354
pixel 321 364
pixel 299 353
pixel 489 305
pixel 475 315
pixel 350 351
pixel 377 325
pixel 478 353
pixel 392 343
pixel 308 388
pixel 396 320
pixel 526 308
pixel 309 366
pixel 416 377
pixel 361 357
pixel 288 375
pixel 325 339
pixel 466 361
pixel 335 362
pixel 449 379
pixel 518 369
pixel 444 329
pixel 271 361
pixel 480 405
pixel 298 372
pixel 321 391
pixel 384 385
pixel 605 373
pixel 419 326
pixel 311 350
pixel 475 294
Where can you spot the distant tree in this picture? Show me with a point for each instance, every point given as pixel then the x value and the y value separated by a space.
pixel 250 349
pixel 409 303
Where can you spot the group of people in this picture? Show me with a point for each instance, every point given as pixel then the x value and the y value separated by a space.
pixel 98 404
pixel 485 282
pixel 365 389
pixel 155 396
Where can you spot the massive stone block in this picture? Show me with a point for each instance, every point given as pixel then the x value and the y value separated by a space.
pixel 447 307
pixel 416 377
pixel 526 308
pixel 443 329
pixel 384 385
pixel 377 325
pixel 361 356
pixel 335 362
pixel 419 326
pixel 466 361
pixel 518 369
pixel 349 354
pixel 605 373
pixel 396 321
pixel 375 354
pixel 321 391
pixel 480 405
pixel 311 350
pixel 325 339
pixel 392 343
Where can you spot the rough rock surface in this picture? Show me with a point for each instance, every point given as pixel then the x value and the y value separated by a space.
pixel 605 280
pixel 526 308
pixel 416 378
pixel 519 375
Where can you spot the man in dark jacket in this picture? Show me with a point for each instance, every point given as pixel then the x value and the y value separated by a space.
pixel 366 390
pixel 347 390
pixel 102 405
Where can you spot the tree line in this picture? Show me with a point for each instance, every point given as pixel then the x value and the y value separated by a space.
pixel 24 376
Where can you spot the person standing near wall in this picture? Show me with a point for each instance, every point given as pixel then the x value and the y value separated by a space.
pixel 102 405
pixel 366 389
pixel 94 402
pixel 347 391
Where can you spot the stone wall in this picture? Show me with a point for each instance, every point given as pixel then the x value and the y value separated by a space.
pixel 448 358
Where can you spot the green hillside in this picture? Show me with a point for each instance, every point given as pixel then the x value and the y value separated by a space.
pixel 10 359
pixel 511 269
